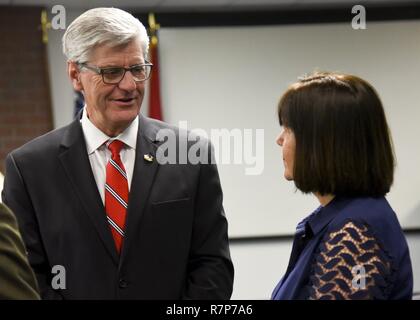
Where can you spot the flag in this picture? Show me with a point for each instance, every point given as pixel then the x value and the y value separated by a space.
pixel 155 107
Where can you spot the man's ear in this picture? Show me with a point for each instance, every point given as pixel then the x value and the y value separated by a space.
pixel 73 72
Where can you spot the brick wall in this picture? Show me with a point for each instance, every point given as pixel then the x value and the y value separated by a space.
pixel 25 104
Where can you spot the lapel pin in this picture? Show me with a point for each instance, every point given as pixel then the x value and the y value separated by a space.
pixel 148 157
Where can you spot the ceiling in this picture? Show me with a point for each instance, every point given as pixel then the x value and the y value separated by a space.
pixel 202 5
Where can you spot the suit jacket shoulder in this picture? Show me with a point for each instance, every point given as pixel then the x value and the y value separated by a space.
pixel 42 146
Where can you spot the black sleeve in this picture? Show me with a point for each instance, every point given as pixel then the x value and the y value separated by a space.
pixel 17 280
pixel 210 269
pixel 15 195
pixel 351 265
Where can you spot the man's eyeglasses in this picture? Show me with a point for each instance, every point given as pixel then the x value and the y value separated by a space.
pixel 113 75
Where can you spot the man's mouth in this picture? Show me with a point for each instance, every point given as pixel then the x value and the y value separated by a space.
pixel 124 100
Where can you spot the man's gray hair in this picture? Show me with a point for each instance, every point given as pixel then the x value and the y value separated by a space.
pixel 102 25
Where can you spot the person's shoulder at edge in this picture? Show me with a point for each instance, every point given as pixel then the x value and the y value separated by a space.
pixel 16 277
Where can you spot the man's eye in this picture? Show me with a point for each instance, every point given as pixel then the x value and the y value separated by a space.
pixel 112 71
pixel 138 69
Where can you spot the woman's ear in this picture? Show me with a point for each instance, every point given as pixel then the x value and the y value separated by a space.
pixel 73 72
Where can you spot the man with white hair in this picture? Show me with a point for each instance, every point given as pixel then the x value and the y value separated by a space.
pixel 100 216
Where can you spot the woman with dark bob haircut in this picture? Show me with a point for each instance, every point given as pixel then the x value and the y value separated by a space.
pixel 336 145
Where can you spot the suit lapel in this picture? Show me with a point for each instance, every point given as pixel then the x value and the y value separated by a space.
pixel 143 177
pixel 76 164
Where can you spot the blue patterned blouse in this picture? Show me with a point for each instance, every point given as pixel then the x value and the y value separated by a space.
pixel 353 248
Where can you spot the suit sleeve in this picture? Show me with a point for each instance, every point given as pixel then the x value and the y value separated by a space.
pixel 17 280
pixel 210 269
pixel 15 195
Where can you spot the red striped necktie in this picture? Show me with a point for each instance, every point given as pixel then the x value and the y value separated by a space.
pixel 116 193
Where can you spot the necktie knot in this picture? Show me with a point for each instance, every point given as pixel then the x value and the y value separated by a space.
pixel 115 147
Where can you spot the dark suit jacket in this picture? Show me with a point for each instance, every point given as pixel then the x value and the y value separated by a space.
pixel 17 280
pixel 176 243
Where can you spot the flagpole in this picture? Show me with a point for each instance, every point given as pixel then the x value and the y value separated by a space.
pixel 153 28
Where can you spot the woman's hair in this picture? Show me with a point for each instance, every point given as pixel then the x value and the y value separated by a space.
pixel 99 26
pixel 343 143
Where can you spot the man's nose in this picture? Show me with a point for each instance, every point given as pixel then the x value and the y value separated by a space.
pixel 127 83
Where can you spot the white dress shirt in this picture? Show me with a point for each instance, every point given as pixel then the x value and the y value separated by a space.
pixel 99 154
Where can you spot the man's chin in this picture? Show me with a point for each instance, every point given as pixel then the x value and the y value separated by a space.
pixel 121 109
pixel 123 117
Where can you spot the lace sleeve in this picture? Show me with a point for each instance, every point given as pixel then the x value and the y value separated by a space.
pixel 350 265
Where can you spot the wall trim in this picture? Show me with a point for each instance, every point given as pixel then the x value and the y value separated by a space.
pixel 289 15
pixel 289 237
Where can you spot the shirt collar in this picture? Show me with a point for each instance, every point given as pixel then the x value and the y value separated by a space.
pixel 323 215
pixel 95 138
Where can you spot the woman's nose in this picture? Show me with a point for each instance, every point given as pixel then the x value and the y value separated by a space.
pixel 279 140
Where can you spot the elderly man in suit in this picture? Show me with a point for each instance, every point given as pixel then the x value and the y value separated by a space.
pixel 17 280
pixel 94 204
